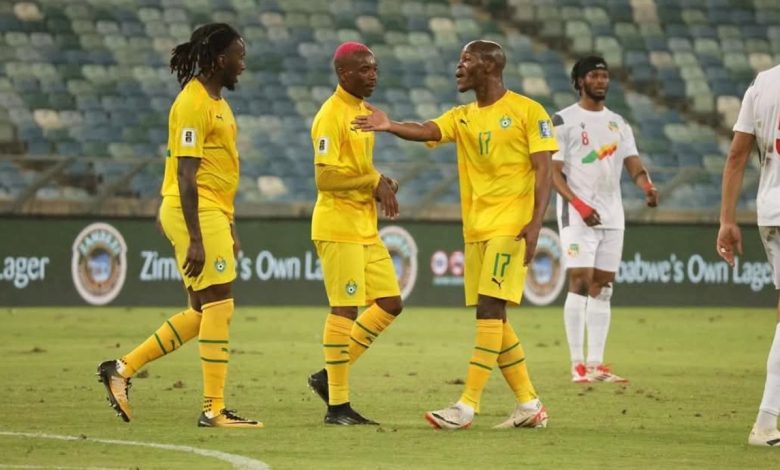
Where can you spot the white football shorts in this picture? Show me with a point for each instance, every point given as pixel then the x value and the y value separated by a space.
pixel 589 247
pixel 770 237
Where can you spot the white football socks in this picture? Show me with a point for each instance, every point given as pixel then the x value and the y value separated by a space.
pixel 574 321
pixel 597 316
pixel 770 403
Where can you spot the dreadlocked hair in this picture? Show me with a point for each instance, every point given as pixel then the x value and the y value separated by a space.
pixel 200 53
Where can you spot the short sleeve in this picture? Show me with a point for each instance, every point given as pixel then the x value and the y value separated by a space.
pixel 447 126
pixel 627 141
pixel 539 127
pixel 745 121
pixel 326 134
pixel 190 127
pixel 560 138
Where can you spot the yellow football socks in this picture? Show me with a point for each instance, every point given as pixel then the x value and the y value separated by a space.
pixel 214 346
pixel 335 345
pixel 176 331
pixel 483 359
pixel 365 330
pixel 511 361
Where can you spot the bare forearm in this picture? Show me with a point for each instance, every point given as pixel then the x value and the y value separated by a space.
pixel 329 178
pixel 542 185
pixel 739 153
pixel 732 186
pixel 416 131
pixel 563 188
pixel 188 192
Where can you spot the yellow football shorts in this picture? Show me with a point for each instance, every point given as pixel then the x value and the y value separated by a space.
pixel 220 265
pixel 495 268
pixel 355 274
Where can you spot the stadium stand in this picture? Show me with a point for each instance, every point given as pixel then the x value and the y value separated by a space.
pixel 85 89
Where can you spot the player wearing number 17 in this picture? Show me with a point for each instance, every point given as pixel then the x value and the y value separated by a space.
pixel 504 143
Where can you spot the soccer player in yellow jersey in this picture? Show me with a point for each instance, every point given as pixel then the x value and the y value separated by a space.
pixel 356 265
pixel 504 144
pixel 196 214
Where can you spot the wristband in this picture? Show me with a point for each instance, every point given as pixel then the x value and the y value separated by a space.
pixel 648 186
pixel 581 207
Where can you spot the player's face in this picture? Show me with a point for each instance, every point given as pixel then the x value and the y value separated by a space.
pixel 233 63
pixel 595 84
pixel 468 71
pixel 360 75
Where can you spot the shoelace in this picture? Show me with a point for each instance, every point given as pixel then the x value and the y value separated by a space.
pixel 231 414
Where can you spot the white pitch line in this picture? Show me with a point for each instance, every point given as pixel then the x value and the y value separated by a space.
pixel 2 465
pixel 239 462
pixel 58 467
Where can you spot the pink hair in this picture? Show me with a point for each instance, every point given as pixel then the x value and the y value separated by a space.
pixel 347 48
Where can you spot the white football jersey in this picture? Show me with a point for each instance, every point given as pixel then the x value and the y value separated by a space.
pixel 593 145
pixel 760 116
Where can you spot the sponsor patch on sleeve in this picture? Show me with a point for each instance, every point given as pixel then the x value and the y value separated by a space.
pixel 322 145
pixel 545 128
pixel 188 137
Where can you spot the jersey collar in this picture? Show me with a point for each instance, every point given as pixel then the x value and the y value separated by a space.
pixel 347 97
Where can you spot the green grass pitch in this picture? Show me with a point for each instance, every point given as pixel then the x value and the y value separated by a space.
pixel 696 382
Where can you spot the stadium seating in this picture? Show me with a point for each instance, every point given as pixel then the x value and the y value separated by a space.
pixel 90 80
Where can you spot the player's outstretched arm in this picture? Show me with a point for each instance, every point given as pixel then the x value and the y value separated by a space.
pixel 589 215
pixel 729 235
pixel 379 121
pixel 641 178
pixel 188 193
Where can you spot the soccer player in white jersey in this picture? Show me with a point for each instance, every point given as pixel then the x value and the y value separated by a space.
pixel 595 144
pixel 758 124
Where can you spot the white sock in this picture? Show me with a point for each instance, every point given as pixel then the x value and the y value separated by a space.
pixel 770 403
pixel 531 405
pixel 468 410
pixel 597 316
pixel 574 320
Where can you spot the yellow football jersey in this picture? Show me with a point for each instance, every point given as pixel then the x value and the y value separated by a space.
pixel 494 144
pixel 344 216
pixel 200 126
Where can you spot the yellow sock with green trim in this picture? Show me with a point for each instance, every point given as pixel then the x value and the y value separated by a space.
pixel 365 330
pixel 511 361
pixel 335 345
pixel 483 359
pixel 176 331
pixel 214 347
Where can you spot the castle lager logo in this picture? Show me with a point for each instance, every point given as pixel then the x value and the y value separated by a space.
pixel 99 263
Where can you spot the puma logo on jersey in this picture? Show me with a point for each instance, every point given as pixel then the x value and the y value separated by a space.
pixel 219 116
pixel 498 283
pixel 464 122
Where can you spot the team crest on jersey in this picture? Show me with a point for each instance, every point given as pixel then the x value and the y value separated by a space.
pixel 505 122
pixel 351 287
pixel 613 126
pixel 573 250
pixel 545 129
pixel 220 264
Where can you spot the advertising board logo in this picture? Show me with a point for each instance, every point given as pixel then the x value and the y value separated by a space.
pixel 99 263
pixel 403 251
pixel 546 274
pixel 447 268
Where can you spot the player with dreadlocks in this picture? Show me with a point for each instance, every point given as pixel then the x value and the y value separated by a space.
pixel 196 214
pixel 595 145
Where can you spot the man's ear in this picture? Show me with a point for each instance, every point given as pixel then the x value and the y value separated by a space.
pixel 221 59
